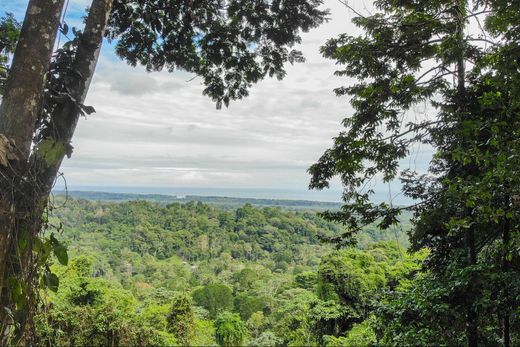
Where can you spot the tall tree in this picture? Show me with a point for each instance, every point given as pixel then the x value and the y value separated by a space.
pixel 19 109
pixel 230 330
pixel 423 52
pixel 230 44
pixel 181 318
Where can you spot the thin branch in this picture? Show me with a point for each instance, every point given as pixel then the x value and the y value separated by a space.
pixel 471 39
pixel 345 3
pixel 437 77
pixel 410 130
pixel 427 72
pixel 477 14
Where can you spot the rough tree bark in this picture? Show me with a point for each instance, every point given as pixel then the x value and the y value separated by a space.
pixel 19 110
pixel 29 184
pixel 65 118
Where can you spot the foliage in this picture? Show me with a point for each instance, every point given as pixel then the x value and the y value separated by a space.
pixel 140 252
pixel 216 298
pixel 464 205
pixel 231 45
pixel 361 334
pixel 265 339
pixel 247 304
pixel 292 322
pixel 180 318
pixel 93 311
pixel 306 280
pixel 9 32
pixel 230 330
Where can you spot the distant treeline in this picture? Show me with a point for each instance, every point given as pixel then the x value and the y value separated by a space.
pixel 223 202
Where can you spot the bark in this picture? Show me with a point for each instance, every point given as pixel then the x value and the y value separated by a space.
pixel 63 122
pixel 19 111
pixel 471 314
pixel 506 327
pixel 24 86
pixel 65 119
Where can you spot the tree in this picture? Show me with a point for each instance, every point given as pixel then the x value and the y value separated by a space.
pixel 361 335
pixel 417 314
pixel 214 297
pixel 18 113
pixel 93 311
pixel 267 338
pixel 247 304
pixel 230 330
pixel 256 323
pixel 9 32
pixel 306 280
pixel 231 45
pixel 180 318
pixel 245 279
pixel 422 52
pixel 292 323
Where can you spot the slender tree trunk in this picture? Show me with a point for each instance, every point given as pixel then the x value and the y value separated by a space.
pixel 18 114
pixel 506 333
pixel 471 314
pixel 65 118
pixel 21 101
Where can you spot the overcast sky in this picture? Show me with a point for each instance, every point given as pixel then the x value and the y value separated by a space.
pixel 159 130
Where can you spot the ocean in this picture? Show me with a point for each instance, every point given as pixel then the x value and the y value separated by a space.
pixel 330 195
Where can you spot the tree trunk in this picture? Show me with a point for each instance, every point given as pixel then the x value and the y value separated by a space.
pixel 471 314
pixel 506 333
pixel 23 92
pixel 18 113
pixel 42 174
pixel 65 118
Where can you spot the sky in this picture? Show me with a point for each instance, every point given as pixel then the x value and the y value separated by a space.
pixel 158 130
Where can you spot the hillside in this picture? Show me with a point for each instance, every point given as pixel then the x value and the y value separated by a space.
pixel 258 263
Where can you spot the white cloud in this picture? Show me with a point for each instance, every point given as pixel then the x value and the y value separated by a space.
pixel 158 129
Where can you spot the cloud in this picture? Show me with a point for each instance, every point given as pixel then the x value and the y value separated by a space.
pixel 130 84
pixel 310 104
pixel 157 129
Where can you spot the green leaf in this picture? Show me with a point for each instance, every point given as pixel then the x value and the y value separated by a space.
pixel 60 251
pixel 51 151
pixel 52 281
pixel 23 240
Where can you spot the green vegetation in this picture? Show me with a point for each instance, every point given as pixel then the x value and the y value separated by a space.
pixel 9 32
pixel 230 45
pixel 457 60
pixel 182 272
pixel 193 274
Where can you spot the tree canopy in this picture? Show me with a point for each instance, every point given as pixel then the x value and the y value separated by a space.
pixel 429 53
